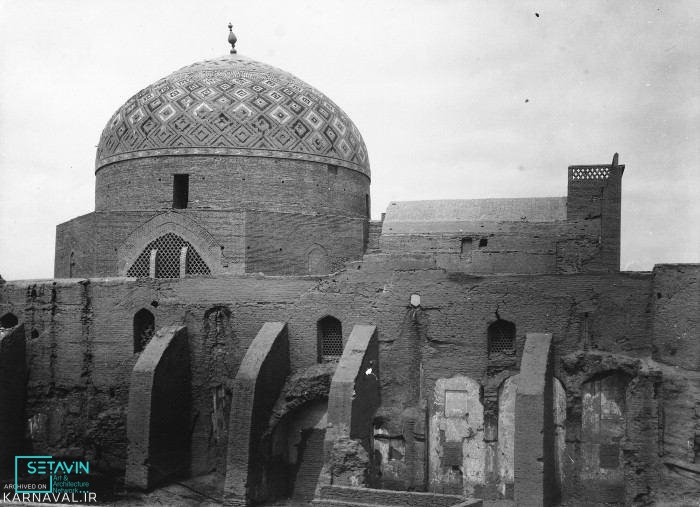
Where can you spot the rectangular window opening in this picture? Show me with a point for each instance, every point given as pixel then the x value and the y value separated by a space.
pixel 181 190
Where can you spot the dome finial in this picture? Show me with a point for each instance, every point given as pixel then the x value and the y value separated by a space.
pixel 232 39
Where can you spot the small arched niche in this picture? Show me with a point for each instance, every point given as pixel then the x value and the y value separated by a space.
pixel 318 261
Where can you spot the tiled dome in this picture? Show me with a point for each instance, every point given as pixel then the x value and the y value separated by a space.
pixel 232 106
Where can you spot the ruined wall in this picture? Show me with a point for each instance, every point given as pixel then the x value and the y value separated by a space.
pixel 676 338
pixel 80 345
pixel 612 428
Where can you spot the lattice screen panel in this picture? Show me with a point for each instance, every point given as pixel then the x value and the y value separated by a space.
pixel 331 337
pixel 168 249
pixel 501 335
pixel 590 173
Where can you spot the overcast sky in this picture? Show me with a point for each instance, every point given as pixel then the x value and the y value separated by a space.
pixel 455 99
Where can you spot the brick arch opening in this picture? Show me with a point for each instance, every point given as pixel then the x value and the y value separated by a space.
pixel 329 332
pixel 603 427
pixel 9 320
pixel 144 329
pixel 297 451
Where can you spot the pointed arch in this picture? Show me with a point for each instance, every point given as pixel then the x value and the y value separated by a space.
pixel 168 256
pixel 144 328
pixel 330 338
pixel 196 236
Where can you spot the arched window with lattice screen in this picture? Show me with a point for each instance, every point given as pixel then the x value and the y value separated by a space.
pixel 167 259
pixel 501 337
pixel 330 339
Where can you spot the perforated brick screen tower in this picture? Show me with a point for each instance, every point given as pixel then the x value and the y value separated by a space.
pixel 226 165
pixel 594 193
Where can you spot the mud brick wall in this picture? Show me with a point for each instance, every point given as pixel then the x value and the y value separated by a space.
pixel 233 183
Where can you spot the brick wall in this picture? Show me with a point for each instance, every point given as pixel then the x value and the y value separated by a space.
pixel 594 193
pixel 233 183
pixel 280 243
pixel 249 207
pixel 80 343
pixel 675 301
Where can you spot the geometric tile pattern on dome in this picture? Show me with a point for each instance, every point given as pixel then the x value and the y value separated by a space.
pixel 168 247
pixel 232 106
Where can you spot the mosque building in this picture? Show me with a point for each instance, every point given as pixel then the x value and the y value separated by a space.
pixel 231 310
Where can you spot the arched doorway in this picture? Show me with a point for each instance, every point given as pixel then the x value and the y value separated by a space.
pixel 144 328
pixel 456 443
pixel 297 451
